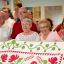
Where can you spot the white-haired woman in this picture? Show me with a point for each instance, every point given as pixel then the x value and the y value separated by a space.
pixel 27 34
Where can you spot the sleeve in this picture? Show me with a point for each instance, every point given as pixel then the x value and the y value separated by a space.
pixel 17 37
pixel 61 33
pixel 57 37
pixel 58 28
pixel 37 37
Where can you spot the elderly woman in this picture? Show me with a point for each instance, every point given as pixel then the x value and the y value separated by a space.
pixel 45 33
pixel 4 30
pixel 17 27
pixel 61 32
pixel 27 34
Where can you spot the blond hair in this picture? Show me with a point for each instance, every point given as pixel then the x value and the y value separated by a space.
pixel 43 21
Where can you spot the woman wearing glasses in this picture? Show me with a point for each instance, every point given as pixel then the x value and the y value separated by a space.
pixel 46 34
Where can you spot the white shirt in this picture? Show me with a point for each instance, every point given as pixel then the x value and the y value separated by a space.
pixel 31 37
pixel 6 30
pixel 5 33
pixel 9 22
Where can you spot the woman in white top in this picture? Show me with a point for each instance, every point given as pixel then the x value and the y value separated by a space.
pixel 4 30
pixel 9 22
pixel 27 34
pixel 46 34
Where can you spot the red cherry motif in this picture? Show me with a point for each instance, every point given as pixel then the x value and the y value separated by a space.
pixel 33 62
pixel 13 58
pixel 53 60
pixel 4 57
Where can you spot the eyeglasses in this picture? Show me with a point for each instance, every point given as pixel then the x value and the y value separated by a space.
pixel 44 27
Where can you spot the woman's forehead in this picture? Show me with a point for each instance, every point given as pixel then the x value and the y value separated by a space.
pixel 22 9
pixel 44 24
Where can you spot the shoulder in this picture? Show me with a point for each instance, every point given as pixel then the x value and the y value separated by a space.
pixel 17 23
pixel 11 20
pixel 35 34
pixel 54 33
pixel 19 35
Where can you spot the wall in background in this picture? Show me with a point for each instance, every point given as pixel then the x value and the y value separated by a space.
pixel 42 4
pixel 55 14
pixel 29 3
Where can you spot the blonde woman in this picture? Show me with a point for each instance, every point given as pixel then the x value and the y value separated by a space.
pixel 61 31
pixel 45 33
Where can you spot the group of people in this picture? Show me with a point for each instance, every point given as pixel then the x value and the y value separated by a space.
pixel 20 26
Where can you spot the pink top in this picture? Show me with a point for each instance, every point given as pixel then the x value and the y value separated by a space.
pixel 53 36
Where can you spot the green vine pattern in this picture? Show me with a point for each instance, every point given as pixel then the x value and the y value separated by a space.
pixel 13 44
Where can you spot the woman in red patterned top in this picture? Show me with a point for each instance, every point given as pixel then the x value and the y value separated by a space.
pixel 61 32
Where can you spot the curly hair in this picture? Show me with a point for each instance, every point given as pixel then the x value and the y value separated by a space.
pixel 19 4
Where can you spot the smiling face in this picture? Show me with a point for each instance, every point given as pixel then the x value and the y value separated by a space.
pixel 26 25
pixel 30 14
pixel 22 13
pixel 6 11
pixel 44 28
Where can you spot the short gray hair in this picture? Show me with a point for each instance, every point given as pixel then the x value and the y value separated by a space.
pixel 27 20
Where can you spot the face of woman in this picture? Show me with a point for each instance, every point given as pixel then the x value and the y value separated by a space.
pixel 22 13
pixel 16 8
pixel 30 15
pixel 26 26
pixel 6 13
pixel 44 28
